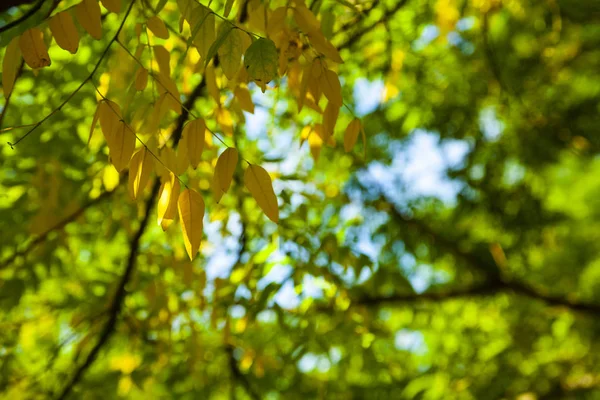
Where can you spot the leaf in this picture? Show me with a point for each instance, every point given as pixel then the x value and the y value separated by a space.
pixel 351 134
pixel 191 213
pixel 305 19
pixel 259 183
pixel 64 31
pixel 203 22
pixel 223 33
pixel 193 135
pixel 112 5
pixel 330 117
pixel 167 198
pixel 306 75
pixel 109 114
pixel 330 84
pixel 94 122
pixel 89 17
pixel 224 171
pixel 211 84
pixel 244 99
pixel 324 46
pixel 10 65
pixel 158 27
pixel 122 147
pixel 140 169
pixel 230 53
pixel 141 79
pixel 34 49
pixel 227 8
pixel 261 62
pixel 163 59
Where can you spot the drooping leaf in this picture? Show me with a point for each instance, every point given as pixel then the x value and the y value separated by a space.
pixel 167 199
pixel 64 31
pixel 34 49
pixel 260 61
pixel 141 79
pixel 332 89
pixel 244 99
pixel 94 121
pixel 203 30
pixel 191 213
pixel 231 51
pixel 163 59
pixel 224 32
pixel 140 169
pixel 193 136
pixel 351 134
pixel 122 146
pixel 89 17
pixel 158 27
pixel 224 171
pixel 258 182
pixel 227 8
pixel 10 65
pixel 112 5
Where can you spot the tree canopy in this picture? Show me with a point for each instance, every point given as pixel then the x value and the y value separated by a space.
pixel 252 199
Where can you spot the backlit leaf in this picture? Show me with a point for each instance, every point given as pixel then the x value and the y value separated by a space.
pixel 89 17
pixel 122 146
pixel 140 169
pixel 231 51
pixel 260 61
pixel 64 31
pixel 34 49
pixel 158 27
pixel 351 134
pixel 258 182
pixel 193 136
pixel 224 32
pixel 191 213
pixel 10 65
pixel 224 171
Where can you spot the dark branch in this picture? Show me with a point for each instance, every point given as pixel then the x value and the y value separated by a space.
pixel 5 5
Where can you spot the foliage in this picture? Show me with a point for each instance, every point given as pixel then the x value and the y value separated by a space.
pixel 186 209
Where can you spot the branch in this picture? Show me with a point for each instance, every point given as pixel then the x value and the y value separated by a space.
pixel 120 294
pixel 496 281
pixel 13 3
pixel 42 237
pixel 352 39
pixel 117 303
pixel 89 77
pixel 238 375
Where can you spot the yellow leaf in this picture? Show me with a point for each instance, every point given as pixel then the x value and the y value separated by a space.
pixel 163 59
pixel 167 198
pixel 224 120
pixel 10 65
pixel 330 84
pixel 140 170
pixel 182 161
pixel 141 79
pixel 351 134
pixel 304 86
pixel 203 23
pixel 315 141
pixel 168 156
pixel 231 51
pixel 277 20
pixel 259 183
pixel 158 27
pixel 112 5
pixel 94 122
pixel 123 145
pixel 227 9
pixel 64 31
pixel 330 117
pixel 89 17
pixel 191 212
pixel 193 135
pixel 305 19
pixel 224 171
pixel 323 46
pixel 109 114
pixel 211 84
pixel 34 49
pixel 256 16
pixel 110 178
pixel 244 99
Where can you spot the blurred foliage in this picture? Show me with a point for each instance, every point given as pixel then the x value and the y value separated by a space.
pixel 483 285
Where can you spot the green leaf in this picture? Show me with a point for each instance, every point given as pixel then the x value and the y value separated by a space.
pixel 223 33
pixel 260 61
